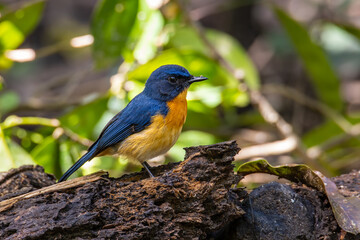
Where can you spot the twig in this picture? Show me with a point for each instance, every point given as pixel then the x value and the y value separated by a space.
pixel 53 188
pixel 298 97
pixel 286 145
pixel 73 136
pixel 13 121
pixel 217 7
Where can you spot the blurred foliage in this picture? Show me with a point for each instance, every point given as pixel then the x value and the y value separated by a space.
pixel 316 64
pixel 15 26
pixel 133 36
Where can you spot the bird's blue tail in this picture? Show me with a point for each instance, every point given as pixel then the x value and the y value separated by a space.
pixel 87 156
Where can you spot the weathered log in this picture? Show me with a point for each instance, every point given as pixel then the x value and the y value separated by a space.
pixel 186 200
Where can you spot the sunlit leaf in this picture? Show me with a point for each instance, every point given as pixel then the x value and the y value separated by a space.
pixel 5 63
pixel 337 40
pixel 315 62
pixel 351 29
pixel 147 46
pixel 26 19
pixel 7 160
pixel 15 26
pixel 144 35
pixel 234 97
pixel 66 159
pixel 211 96
pixel 346 209
pixel 111 26
pixel 12 155
pixel 10 36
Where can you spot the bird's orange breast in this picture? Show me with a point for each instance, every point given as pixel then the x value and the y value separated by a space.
pixel 159 136
pixel 176 116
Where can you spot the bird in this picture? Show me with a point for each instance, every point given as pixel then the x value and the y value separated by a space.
pixel 151 122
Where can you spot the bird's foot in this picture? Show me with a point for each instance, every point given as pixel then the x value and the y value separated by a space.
pixel 147 167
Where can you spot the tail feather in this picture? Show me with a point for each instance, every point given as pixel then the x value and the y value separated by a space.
pixel 86 157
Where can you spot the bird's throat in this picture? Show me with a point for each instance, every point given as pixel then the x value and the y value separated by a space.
pixel 177 110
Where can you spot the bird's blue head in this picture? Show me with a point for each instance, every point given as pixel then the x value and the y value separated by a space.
pixel 168 81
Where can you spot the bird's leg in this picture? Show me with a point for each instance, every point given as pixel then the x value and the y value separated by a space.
pixel 147 167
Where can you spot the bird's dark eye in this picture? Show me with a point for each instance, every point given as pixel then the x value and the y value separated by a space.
pixel 172 79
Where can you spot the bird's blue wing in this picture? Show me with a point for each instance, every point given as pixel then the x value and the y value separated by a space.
pixel 132 119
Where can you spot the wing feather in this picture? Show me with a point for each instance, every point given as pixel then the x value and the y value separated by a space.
pixel 135 117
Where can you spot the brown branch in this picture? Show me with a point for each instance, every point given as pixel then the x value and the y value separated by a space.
pixel 284 146
pixel 73 136
pixel 350 131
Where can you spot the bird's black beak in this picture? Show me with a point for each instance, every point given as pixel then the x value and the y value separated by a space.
pixel 197 79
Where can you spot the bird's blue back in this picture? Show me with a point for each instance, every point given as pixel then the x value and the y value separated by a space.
pixel 135 117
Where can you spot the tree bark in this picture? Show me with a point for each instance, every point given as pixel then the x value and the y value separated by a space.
pixel 184 201
pixel 194 199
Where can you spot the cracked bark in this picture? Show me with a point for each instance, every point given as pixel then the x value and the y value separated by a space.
pixel 187 200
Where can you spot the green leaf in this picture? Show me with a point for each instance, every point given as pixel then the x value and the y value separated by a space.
pixel 46 155
pixel 234 97
pixel 15 26
pixel 8 101
pixel 12 155
pixel 315 62
pixel 66 159
pixel 111 26
pixel 321 133
pixel 21 156
pixel 205 91
pixel 27 18
pixel 83 119
pixel 351 29
pixel 7 160
pixel 143 39
pixel 146 46
pixel 345 209
pixel 235 54
pixel 186 38
pixel 10 36
pixel 201 117
pixel 337 40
